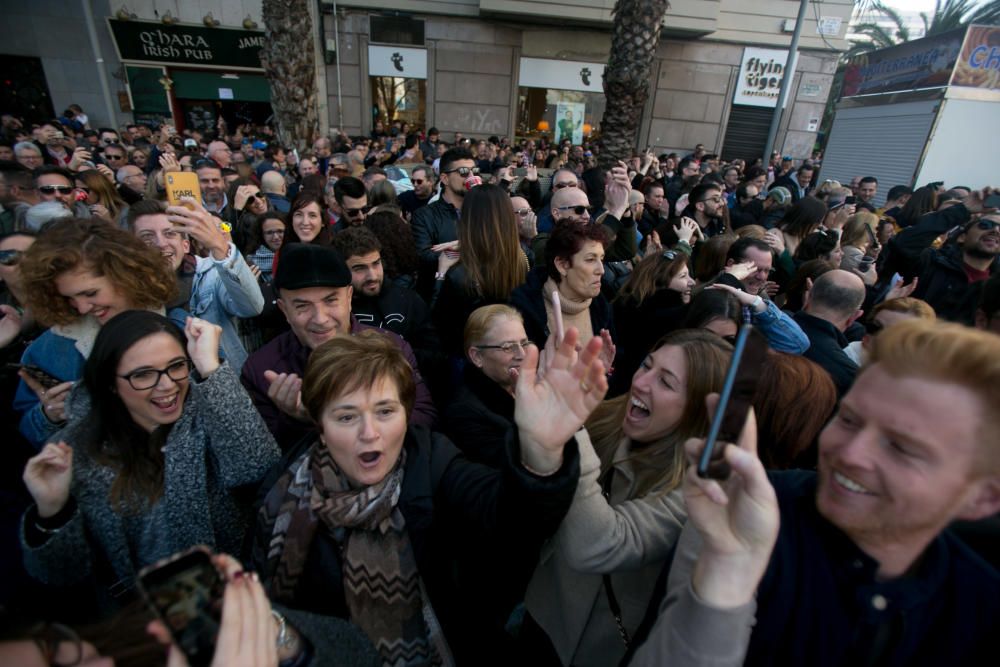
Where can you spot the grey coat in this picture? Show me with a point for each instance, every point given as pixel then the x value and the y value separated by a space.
pixel 629 539
pixel 219 443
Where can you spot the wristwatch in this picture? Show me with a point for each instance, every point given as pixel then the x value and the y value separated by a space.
pixel 287 642
pixel 757 303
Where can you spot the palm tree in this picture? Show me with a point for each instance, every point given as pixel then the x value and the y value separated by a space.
pixel 290 67
pixel 958 14
pixel 635 35
pixel 948 15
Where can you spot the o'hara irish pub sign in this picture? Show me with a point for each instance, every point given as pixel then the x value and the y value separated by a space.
pixel 152 43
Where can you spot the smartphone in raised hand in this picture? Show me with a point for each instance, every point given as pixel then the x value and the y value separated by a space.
pixel 185 591
pixel 735 401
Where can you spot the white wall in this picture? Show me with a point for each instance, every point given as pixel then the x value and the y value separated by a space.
pixel 963 146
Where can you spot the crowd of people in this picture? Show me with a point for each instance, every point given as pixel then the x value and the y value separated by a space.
pixel 439 403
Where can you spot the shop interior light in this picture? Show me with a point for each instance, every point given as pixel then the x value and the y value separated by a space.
pixel 587 129
pixel 210 20
pixel 543 126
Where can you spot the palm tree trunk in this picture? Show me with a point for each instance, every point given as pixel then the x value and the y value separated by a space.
pixel 636 33
pixel 289 63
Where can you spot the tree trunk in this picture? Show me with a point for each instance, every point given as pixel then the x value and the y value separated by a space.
pixel 289 64
pixel 636 33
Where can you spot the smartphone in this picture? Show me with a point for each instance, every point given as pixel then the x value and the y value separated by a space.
pixel 520 172
pixel 993 201
pixel 735 401
pixel 557 314
pixel 850 200
pixel 185 591
pixel 865 264
pixel 40 376
pixel 58 135
pixel 182 184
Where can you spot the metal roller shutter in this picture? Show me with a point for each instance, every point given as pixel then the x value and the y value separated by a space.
pixel 746 132
pixel 884 141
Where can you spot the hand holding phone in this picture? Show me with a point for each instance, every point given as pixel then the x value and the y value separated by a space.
pixel 735 401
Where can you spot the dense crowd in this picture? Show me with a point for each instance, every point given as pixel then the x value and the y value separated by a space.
pixel 436 403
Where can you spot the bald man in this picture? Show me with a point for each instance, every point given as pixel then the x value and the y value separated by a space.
pixel 832 305
pixel 274 187
pixel 221 153
pixel 570 205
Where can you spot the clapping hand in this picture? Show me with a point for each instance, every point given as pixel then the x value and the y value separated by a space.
pixel 549 409
pixel 285 391
pixel 617 190
pixel 48 476
pixel 687 230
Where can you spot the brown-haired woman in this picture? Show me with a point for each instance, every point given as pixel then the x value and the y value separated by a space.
pixel 102 197
pixel 399 256
pixel 795 398
pixel 376 505
pixel 490 265
pixel 77 276
pixel 628 511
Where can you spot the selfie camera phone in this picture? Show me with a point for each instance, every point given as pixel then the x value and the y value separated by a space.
pixel 38 375
pixel 850 200
pixel 735 401
pixel 185 591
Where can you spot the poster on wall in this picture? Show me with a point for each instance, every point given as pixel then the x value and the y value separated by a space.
pixel 979 64
pixel 569 121
pixel 922 63
pixel 761 73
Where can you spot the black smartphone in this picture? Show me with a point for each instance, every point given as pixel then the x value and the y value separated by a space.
pixel 865 264
pixel 37 374
pixel 850 200
pixel 993 201
pixel 735 400
pixel 185 591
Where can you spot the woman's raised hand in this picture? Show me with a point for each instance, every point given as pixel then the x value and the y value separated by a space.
pixel 48 476
pixel 203 344
pixel 550 408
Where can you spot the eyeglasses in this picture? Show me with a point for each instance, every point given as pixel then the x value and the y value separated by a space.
pixel 205 162
pixel 112 156
pixel 355 212
pixel 108 142
pixel 716 198
pixel 522 211
pixel 987 225
pixel 560 186
pixel 147 378
pixel 10 257
pixel 274 232
pixel 509 346
pixel 579 210
pixel 463 171
pixel 52 189
pixel 418 181
pixel 259 195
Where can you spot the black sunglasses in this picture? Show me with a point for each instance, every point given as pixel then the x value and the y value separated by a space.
pixel 206 162
pixel 987 225
pixel 463 171
pixel 579 210
pixel 354 212
pixel 50 189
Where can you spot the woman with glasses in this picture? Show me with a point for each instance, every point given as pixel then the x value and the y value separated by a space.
pixel 490 263
pixel 249 204
pixel 101 197
pixel 595 580
pixel 77 276
pixel 150 461
pixel 268 233
pixel 482 411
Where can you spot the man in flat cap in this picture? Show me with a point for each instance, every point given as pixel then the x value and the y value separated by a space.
pixel 314 291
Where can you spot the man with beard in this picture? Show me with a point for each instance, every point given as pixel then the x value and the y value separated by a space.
pixel 705 204
pixel 423 187
pixel 218 288
pixel 436 223
pixel 747 207
pixel 951 279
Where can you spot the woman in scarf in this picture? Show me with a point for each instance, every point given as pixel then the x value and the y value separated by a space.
pixel 384 523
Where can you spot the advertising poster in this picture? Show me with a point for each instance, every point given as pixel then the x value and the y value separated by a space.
pixel 979 64
pixel 922 63
pixel 569 121
pixel 761 73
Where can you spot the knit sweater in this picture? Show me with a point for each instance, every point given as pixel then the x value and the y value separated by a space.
pixel 219 443
pixel 575 313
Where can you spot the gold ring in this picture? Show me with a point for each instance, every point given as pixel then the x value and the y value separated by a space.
pixel 584 386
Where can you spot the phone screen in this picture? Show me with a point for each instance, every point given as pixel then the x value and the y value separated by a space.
pixel 735 400
pixel 186 592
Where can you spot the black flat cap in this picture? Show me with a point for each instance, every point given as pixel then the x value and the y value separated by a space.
pixel 303 265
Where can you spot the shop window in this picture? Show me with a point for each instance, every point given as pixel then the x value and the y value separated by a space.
pixel 559 114
pixel 396 98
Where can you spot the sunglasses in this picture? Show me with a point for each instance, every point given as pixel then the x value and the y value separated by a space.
pixel 205 162
pixel 111 156
pixel 52 189
pixel 464 171
pixel 579 210
pixel 354 212
pixel 10 257
pixel 522 211
pixel 987 225
pixel 560 186
pixel 417 181
pixel 108 142
pixel 275 232
pixel 259 195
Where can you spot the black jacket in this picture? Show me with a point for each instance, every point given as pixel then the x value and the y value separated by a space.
pixel 945 285
pixel 457 512
pixel 530 301
pixel 826 348
pixel 455 302
pixel 640 326
pixel 432 224
pixel 478 418
pixel 786 181
pixel 402 311
pixel 904 250
pixel 410 202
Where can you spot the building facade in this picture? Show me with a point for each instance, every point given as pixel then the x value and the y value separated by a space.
pixel 490 67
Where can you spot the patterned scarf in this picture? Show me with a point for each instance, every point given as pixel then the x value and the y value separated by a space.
pixel 382 587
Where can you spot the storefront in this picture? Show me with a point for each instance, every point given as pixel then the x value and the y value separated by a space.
pixel 398 79
pixel 192 75
pixel 562 99
pixel 758 86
